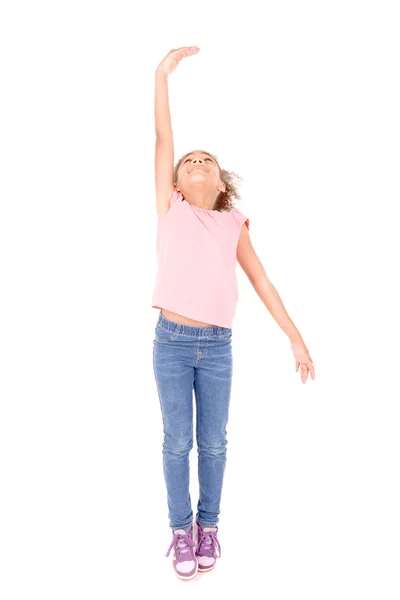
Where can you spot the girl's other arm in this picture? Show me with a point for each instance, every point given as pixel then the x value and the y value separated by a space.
pixel 267 292
pixel 252 266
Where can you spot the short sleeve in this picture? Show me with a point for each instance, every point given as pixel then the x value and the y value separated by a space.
pixel 176 197
pixel 240 218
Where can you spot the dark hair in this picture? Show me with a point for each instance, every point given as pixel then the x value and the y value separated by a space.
pixel 224 201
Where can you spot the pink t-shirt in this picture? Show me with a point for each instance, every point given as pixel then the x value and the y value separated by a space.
pixel 196 256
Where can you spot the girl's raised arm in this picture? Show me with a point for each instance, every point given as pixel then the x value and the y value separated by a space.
pixel 164 154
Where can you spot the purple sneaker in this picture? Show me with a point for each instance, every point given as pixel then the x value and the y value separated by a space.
pixel 184 559
pixel 206 547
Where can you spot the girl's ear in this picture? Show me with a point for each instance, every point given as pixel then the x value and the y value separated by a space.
pixel 221 187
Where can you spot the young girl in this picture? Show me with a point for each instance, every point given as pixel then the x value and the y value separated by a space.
pixel 200 236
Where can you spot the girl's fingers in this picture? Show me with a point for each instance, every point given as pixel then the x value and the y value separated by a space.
pixel 307 368
pixel 189 48
pixel 186 51
pixel 311 367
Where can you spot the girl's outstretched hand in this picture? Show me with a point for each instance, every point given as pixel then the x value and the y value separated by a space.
pixel 173 58
pixel 303 359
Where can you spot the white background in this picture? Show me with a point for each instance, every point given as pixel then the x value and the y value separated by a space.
pixel 302 100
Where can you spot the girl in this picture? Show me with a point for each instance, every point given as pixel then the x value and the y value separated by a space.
pixel 200 236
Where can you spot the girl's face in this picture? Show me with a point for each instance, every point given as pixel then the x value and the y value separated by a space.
pixel 199 168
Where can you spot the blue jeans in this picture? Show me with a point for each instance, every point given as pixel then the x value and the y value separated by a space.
pixel 187 358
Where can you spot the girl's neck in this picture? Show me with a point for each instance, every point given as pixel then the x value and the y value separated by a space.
pixel 201 198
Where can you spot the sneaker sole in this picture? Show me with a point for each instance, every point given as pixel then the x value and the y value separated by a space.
pixel 207 568
pixel 187 578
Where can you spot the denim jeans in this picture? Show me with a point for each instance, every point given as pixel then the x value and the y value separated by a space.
pixel 187 358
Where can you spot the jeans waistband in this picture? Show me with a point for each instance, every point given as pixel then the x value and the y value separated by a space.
pixel 213 330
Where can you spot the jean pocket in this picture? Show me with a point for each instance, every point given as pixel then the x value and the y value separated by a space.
pixel 165 335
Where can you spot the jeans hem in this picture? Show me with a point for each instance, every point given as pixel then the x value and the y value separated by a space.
pixel 181 527
pixel 207 524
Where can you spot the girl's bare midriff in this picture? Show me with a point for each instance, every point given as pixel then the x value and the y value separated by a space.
pixel 171 316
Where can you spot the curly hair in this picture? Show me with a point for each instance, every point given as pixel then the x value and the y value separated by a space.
pixel 224 201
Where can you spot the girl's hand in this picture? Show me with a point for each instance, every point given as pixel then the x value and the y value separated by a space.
pixel 173 58
pixel 303 359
